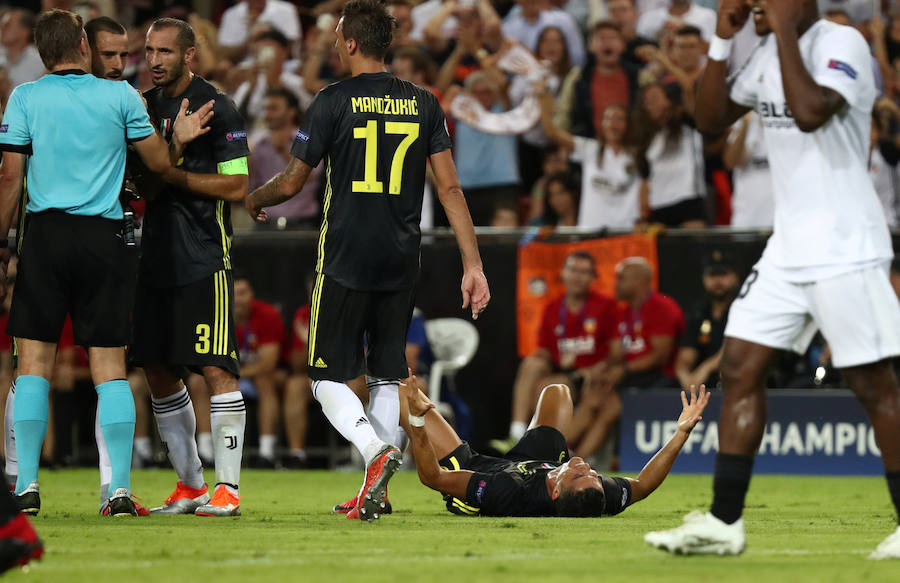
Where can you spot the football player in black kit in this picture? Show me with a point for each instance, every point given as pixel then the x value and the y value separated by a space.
pixel 376 134
pixel 537 477
pixel 183 316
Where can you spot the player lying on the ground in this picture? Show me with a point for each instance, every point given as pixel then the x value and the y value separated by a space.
pixel 537 477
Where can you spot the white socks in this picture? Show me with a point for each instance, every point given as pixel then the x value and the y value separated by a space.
pixel 9 437
pixel 517 429
pixel 267 446
pixel 228 415
pixel 143 448
pixel 176 423
pixel 105 464
pixel 345 412
pixel 204 446
pixel 384 409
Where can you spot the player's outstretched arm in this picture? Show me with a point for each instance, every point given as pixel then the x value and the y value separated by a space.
pixel 811 104
pixel 714 110
pixel 281 187
pixel 227 187
pixel 658 468
pixel 154 153
pixel 475 290
pixel 454 483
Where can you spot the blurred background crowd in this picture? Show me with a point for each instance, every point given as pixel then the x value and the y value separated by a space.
pixel 570 114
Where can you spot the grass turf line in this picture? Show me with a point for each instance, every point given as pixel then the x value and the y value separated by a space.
pixel 799 529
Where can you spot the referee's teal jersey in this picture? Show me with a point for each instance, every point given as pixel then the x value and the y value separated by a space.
pixel 75 127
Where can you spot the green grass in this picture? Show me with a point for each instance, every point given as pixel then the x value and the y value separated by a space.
pixel 799 529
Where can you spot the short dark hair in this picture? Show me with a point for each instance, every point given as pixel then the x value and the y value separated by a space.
pixel 285 94
pixel 185 38
pixel 581 503
pixel 369 23
pixel 689 30
pixel 606 24
pixel 58 35
pixel 584 255
pixel 102 24
pixel 274 35
pixel 421 61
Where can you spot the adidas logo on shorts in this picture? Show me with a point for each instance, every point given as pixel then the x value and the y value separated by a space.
pixel 320 363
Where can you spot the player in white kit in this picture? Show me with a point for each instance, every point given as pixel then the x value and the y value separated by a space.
pixel 826 263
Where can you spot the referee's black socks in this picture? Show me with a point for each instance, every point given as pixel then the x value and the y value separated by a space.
pixel 893 481
pixel 730 483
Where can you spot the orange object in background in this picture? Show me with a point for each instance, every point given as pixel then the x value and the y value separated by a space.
pixel 538 275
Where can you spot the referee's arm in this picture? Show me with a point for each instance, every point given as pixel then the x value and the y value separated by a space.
pixel 11 175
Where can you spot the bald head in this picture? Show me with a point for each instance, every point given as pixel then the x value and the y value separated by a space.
pixel 634 277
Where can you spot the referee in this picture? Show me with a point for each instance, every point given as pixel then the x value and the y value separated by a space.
pixel 73 261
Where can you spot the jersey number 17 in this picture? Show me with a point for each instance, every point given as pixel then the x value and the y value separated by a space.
pixel 370 183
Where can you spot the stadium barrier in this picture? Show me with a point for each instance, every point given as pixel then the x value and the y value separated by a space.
pixel 277 263
pixel 808 431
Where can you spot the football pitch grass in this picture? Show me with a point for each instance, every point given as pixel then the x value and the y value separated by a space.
pixel 798 528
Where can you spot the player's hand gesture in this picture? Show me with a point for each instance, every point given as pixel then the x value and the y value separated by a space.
pixel 692 410
pixel 189 127
pixel 475 291
pixel 733 14
pixel 257 213
pixel 784 15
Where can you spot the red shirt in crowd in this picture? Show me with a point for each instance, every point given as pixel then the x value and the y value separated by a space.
pixel 659 315
pixel 608 90
pixel 300 328
pixel 5 339
pixel 577 340
pixel 263 327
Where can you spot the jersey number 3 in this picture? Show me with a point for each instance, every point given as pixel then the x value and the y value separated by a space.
pixel 370 184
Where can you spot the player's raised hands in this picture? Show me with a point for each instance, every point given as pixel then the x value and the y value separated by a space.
pixel 733 15
pixel 190 126
pixel 692 409
pixel 475 291
pixel 784 15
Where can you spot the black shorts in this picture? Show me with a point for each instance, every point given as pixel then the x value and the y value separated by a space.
pixel 542 443
pixel 692 209
pixel 188 326
pixel 354 332
pixel 76 266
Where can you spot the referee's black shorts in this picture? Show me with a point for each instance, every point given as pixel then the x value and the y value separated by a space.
pixel 186 326
pixel 353 332
pixel 78 266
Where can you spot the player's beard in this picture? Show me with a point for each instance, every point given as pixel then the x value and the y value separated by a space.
pixel 171 75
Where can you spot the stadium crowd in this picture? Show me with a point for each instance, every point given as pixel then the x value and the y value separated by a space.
pixel 562 114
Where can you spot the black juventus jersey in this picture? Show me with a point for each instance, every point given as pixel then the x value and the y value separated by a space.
pixel 188 237
pixel 502 487
pixel 375 133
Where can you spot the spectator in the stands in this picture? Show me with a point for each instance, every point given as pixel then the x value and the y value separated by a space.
pixel 551 50
pixel 401 10
pixel 530 17
pixel 439 24
pixel 469 51
pixel 606 80
pixel 414 65
pixel 610 183
pixel 554 161
pixel 624 14
pixel 246 19
pixel 487 163
pixel 270 52
pixel 672 150
pixel 752 202
pixel 19 56
pixel 576 333
pixel 701 345
pixel 506 216
pixel 271 153
pixel 661 23
pixel 649 328
pixel 260 334
pixel 297 390
pixel 560 203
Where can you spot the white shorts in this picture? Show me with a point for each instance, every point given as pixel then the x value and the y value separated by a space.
pixel 857 312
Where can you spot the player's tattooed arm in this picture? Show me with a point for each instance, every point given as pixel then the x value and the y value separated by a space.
pixel 811 104
pixel 283 186
pixel 660 465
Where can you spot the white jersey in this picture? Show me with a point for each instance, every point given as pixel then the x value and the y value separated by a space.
pixel 828 219
pixel 884 178
pixel 676 169
pixel 610 188
pixel 752 206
